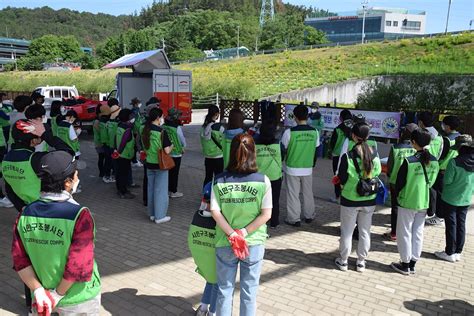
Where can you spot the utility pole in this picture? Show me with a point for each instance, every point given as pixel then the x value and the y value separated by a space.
pixel 470 24
pixel 163 45
pixel 447 18
pixel 238 40
pixel 364 7
pixel 267 12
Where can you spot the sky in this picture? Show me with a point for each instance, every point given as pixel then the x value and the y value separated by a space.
pixel 462 11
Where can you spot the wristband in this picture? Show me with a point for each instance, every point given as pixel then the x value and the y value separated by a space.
pixel 244 232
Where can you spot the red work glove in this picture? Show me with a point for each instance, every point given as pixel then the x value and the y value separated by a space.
pixel 142 155
pixel 115 154
pixel 335 180
pixel 239 245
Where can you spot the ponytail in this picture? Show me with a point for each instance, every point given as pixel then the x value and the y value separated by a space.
pixel 422 138
pixel 153 115
pixel 213 110
pixel 242 157
pixel 360 132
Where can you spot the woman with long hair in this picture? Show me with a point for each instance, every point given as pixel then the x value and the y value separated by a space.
pixel 415 178
pixel 211 136
pixel 235 127
pixel 360 163
pixel 241 204
pixel 155 138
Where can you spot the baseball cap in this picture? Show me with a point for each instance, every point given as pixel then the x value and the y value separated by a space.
pixel 464 140
pixel 57 165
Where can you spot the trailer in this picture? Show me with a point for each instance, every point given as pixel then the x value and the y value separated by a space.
pixel 152 76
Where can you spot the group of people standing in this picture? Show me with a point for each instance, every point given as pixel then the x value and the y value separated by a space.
pixel 245 190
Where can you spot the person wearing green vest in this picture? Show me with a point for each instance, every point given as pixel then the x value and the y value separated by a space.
pixel 201 243
pixel 299 144
pixel 98 143
pixel 53 243
pixel 68 133
pixel 449 126
pixel 125 141
pixel 104 117
pixel 269 162
pixel 211 136
pixel 112 125
pixel 415 177
pixel 241 204
pixel 235 127
pixel 154 138
pixel 360 163
pixel 5 110
pixel 55 115
pixel 338 137
pixel 458 189
pixel 396 157
pixel 174 130
pixel 316 120
pixel 21 183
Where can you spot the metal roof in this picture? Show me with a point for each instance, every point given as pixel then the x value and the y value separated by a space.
pixel 143 62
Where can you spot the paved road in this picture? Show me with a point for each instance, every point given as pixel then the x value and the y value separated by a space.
pixel 147 270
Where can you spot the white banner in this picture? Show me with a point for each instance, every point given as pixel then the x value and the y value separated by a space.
pixel 384 124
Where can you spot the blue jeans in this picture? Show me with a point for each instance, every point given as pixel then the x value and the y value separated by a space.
pixel 157 192
pixel 250 269
pixel 210 296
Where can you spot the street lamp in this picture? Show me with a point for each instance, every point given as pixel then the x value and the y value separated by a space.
pixel 364 6
pixel 447 18
pixel 238 40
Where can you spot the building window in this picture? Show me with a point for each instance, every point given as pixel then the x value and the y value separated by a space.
pixel 412 25
pixel 395 23
pixel 388 23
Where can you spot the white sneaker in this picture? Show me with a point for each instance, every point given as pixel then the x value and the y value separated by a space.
pixel 163 220
pixel 340 264
pixel 444 256
pixel 106 179
pixel 112 179
pixel 176 195
pixel 137 164
pixel 435 220
pixel 457 256
pixel 5 202
pixel 360 266
pixel 152 218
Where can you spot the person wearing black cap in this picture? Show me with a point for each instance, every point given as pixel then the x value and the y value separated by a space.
pixel 125 150
pixel 19 165
pixel 53 243
pixel 37 98
pixel 68 133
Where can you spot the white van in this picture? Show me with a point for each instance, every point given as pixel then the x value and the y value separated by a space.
pixel 52 93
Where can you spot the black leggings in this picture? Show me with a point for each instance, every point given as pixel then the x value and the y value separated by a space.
pixel 101 164
pixel 173 175
pixel 213 166
pixel 124 168
pixel 276 188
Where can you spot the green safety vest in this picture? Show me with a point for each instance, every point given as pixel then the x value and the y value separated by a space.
pixel 415 195
pixel 302 147
pixel 436 146
pixel 3 142
pixel 19 174
pixel 452 153
pixel 155 145
pixel 4 122
pixel 96 132
pixel 240 200
pixel 202 244
pixel 226 144
pixel 349 190
pixel 399 153
pixel 63 133
pixel 111 133
pixel 139 121
pixel 129 150
pixel 46 231
pixel 341 137
pixel 103 136
pixel 269 160
pixel 54 125
pixel 209 147
pixel 173 135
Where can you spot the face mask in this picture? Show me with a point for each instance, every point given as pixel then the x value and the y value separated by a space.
pixel 132 121
pixel 443 127
pixel 45 120
pixel 63 111
pixel 162 121
pixel 139 105
pixel 74 186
